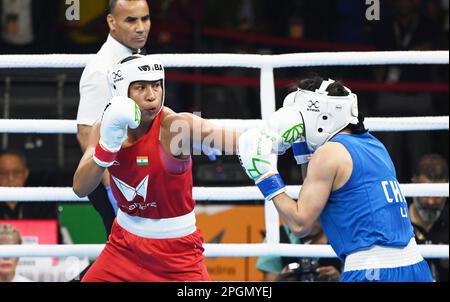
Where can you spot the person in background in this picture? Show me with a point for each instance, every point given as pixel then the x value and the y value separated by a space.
pixel 24 26
pixel 14 173
pixel 9 235
pixel 87 33
pixel 429 215
pixel 129 26
pixel 300 269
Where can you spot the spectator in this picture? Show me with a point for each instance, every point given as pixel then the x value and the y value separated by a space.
pixel 445 23
pixel 429 215
pixel 24 27
pixel 300 19
pixel 86 34
pixel 17 22
pixel 351 23
pixel 9 235
pixel 407 29
pixel 178 29
pixel 300 269
pixel 129 26
pixel 177 25
pixel 14 173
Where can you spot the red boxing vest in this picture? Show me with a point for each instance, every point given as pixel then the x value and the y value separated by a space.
pixel 142 186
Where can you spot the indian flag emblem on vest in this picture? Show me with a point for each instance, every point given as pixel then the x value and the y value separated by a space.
pixel 142 160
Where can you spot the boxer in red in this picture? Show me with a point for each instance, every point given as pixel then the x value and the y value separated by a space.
pixel 154 237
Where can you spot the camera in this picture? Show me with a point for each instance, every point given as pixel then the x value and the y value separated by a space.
pixel 304 270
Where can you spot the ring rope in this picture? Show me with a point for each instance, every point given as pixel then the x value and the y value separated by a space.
pixel 246 61
pixel 211 250
pixel 53 194
pixel 266 64
pixel 426 123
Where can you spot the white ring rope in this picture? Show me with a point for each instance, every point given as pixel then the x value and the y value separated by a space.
pixel 425 123
pixel 211 250
pixel 264 62
pixel 52 194
pixel 246 61
pixel 376 124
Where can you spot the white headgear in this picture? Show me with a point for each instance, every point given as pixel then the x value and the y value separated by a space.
pixel 143 68
pixel 323 115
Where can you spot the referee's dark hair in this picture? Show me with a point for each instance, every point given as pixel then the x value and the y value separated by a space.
pixel 112 5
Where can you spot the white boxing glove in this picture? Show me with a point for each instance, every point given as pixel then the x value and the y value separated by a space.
pixel 256 154
pixel 287 122
pixel 119 114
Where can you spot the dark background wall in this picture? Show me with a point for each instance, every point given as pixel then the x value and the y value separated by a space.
pixel 264 27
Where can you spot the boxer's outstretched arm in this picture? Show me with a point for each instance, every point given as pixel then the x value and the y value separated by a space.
pixel 228 137
pixel 204 132
pixel 88 174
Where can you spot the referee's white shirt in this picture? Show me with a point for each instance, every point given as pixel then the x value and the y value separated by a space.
pixel 94 88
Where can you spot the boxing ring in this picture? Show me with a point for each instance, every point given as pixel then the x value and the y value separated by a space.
pixel 267 64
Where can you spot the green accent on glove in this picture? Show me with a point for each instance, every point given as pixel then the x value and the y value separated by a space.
pixel 293 134
pixel 137 114
pixel 254 170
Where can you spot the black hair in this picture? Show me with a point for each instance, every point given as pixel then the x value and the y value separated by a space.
pixel 432 166
pixel 334 89
pixel 112 5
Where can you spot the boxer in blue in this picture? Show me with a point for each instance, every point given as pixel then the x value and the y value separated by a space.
pixel 350 185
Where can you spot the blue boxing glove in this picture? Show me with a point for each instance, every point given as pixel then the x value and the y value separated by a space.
pixel 259 160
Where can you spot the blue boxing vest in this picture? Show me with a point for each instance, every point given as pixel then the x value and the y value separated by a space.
pixel 369 209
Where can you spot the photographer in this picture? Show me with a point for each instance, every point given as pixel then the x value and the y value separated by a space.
pixel 300 269
pixel 429 215
pixel 311 270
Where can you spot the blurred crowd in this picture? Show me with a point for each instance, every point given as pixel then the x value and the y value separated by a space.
pixel 187 25
pixel 264 27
